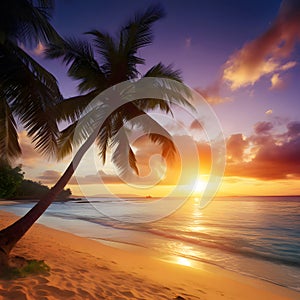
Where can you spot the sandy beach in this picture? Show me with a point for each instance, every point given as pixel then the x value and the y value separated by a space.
pixel 85 269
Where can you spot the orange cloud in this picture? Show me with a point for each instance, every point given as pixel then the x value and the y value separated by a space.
pixel 236 145
pixel 51 176
pixel 154 170
pixel 268 54
pixel 212 93
pixel 275 156
pixel 39 49
pixel 276 82
pixel 269 112
pixel 196 125
pixel 189 153
pixel 30 157
pixel 99 178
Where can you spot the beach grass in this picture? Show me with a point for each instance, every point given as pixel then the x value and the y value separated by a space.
pixel 22 268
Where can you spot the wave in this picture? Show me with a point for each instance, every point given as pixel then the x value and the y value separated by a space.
pixel 227 244
pixel 233 248
pixel 249 246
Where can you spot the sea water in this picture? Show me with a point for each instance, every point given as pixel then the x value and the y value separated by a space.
pixel 254 236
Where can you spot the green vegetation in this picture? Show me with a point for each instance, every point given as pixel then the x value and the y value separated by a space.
pixel 10 180
pixel 14 186
pixel 29 189
pixel 30 267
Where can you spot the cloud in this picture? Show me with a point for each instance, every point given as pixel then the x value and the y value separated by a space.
pixel 212 93
pixel 269 112
pixel 39 49
pixel 152 166
pixel 268 54
pixel 99 178
pixel 263 127
pixel 276 82
pixel 263 155
pixel 293 129
pixel 273 156
pixel 236 145
pixel 49 176
pixel 195 125
pixel 30 157
pixel 189 154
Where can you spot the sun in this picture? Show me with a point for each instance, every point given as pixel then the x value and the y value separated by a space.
pixel 199 187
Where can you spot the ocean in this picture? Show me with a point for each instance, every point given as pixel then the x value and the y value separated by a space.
pixel 253 236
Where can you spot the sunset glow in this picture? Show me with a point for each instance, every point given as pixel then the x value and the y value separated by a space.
pixel 252 87
pixel 199 187
pixel 183 261
pixel 150 149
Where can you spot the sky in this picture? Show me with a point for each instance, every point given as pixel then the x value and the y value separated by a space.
pixel 243 57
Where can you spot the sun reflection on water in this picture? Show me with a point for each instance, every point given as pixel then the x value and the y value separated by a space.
pixel 183 261
pixel 185 255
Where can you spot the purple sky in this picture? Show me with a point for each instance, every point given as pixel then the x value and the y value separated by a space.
pixel 197 37
pixel 243 56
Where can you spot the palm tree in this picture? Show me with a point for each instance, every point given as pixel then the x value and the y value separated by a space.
pixel 116 60
pixel 27 90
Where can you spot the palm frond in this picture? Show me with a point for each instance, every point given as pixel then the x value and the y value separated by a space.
pixel 27 21
pixel 106 47
pixel 119 55
pixel 157 133
pixel 80 130
pixel 137 33
pixel 108 130
pixel 166 91
pixel 46 3
pixel 32 95
pixel 104 42
pixel 79 57
pixel 65 141
pixel 72 108
pixel 162 71
pixel 9 144
pixel 133 161
pixel 123 156
pixel 35 68
pixel 168 147
pixel 103 139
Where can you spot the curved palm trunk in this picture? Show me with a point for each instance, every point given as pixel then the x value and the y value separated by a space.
pixel 13 233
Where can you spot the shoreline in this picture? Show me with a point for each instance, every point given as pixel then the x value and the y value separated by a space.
pixel 82 268
pixel 192 263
